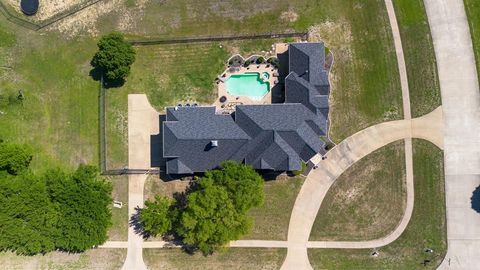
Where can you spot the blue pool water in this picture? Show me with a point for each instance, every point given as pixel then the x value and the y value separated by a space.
pixel 248 85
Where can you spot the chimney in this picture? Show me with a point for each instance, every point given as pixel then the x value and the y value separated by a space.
pixel 214 143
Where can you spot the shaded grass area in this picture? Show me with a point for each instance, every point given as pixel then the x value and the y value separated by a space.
pixel 419 56
pixel 472 8
pixel 119 229
pixel 426 229
pixel 105 259
pixel 233 258
pixel 367 201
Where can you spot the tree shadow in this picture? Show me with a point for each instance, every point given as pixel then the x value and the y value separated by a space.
pixel 475 200
pixel 137 225
pixel 96 74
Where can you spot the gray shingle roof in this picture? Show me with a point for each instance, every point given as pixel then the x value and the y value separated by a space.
pixel 270 137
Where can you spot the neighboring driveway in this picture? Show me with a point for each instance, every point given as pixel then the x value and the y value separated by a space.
pixel 461 109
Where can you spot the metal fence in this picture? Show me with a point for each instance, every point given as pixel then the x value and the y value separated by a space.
pixel 153 41
pixel 102 128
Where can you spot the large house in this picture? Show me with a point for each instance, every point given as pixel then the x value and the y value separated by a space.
pixel 274 137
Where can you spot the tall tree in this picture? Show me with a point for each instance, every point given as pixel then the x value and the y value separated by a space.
pixel 157 217
pixel 243 184
pixel 210 219
pixel 114 56
pixel 82 200
pixel 27 216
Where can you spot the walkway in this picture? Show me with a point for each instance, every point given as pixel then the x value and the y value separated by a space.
pixel 461 108
pixel 143 121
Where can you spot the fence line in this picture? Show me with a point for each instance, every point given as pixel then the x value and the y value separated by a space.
pixel 102 128
pixel 127 171
pixel 145 42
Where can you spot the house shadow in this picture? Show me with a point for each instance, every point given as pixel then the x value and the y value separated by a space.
pixel 156 146
pixel 475 200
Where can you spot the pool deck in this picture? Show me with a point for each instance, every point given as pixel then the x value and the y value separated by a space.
pixel 232 101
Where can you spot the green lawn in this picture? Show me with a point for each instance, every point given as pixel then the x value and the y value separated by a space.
pixel 419 56
pixel 427 228
pixel 367 201
pixel 272 219
pixel 59 115
pixel 233 258
pixel 472 8
pixel 119 229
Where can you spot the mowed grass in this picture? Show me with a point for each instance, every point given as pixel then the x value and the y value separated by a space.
pixel 272 219
pixel 365 88
pixel 233 258
pixel 419 56
pixel 367 201
pixel 119 229
pixel 105 259
pixel 426 229
pixel 59 113
pixel 472 8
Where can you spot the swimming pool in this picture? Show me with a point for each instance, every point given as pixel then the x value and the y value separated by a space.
pixel 251 85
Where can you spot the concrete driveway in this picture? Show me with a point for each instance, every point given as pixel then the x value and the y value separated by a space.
pixel 461 109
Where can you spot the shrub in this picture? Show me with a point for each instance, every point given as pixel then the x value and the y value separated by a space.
pixel 14 158
pixel 260 60
pixel 298 172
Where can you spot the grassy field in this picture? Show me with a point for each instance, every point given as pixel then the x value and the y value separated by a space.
pixel 95 259
pixel 472 8
pixel 59 115
pixel 367 201
pixel 419 56
pixel 427 228
pixel 233 258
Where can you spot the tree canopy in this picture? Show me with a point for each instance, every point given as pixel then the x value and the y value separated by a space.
pixel 114 56
pixel 215 209
pixel 156 216
pixel 55 210
pixel 14 158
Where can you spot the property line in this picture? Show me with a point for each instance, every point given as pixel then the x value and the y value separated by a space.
pixel 144 42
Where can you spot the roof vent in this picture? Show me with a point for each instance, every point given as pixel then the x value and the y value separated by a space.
pixel 214 143
pixel 176 108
